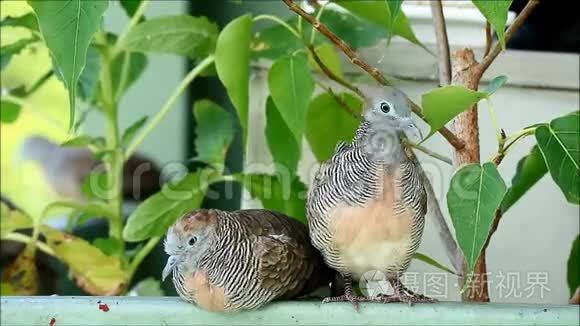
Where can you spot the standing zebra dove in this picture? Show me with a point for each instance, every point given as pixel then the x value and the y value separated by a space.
pixel 367 204
pixel 230 261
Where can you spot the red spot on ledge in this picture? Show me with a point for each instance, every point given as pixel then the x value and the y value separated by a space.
pixel 52 321
pixel 103 306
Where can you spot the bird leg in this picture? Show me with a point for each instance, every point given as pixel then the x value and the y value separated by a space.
pixel 348 295
pixel 403 294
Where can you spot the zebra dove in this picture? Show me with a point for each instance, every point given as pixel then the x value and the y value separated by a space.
pixel 367 204
pixel 230 261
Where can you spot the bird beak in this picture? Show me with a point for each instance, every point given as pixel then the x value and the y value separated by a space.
pixel 171 263
pixel 411 130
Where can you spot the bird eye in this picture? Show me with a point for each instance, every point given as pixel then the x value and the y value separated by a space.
pixel 385 107
pixel 192 241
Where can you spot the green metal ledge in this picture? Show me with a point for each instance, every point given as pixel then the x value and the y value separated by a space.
pixel 60 311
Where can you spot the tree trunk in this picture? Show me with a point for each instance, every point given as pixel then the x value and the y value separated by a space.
pixel 466 72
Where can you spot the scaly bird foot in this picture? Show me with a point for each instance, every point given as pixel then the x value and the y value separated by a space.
pixel 354 299
pixel 403 294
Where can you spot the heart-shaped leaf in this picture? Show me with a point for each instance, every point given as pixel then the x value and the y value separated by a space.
pixel 442 104
pixel 214 129
pixel 284 149
pixel 194 37
pixel 474 195
pixel 496 13
pixel 69 42
pixel 559 143
pixel 291 86
pixel 95 272
pixel 531 168
pixel 158 212
pixel 324 111
pixel 232 62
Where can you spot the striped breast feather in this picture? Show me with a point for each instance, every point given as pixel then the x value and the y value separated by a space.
pixel 347 177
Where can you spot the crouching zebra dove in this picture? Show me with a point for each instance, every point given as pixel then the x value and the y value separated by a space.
pixel 230 261
pixel 367 204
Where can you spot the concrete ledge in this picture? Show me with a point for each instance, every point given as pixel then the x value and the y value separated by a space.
pixel 60 311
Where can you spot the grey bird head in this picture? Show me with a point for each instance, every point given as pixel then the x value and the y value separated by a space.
pixel 387 119
pixel 188 239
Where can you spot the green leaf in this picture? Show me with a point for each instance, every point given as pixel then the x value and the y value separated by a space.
pixel 356 32
pixel 496 13
pixel 137 64
pixel 194 37
pixel 78 141
pixel 286 195
pixel 89 78
pixel 232 62
pixel 442 104
pixel 132 130
pixel 291 86
pixel 284 149
pixel 148 287
pixel 430 261
pixel 7 289
pixel 13 220
pixel 378 12
pixel 275 41
pixel 158 212
pixel 7 51
pixel 474 195
pixel 214 128
pixel 495 84
pixel 9 111
pixel 559 143
pixel 27 21
pixel 95 272
pixel 324 111
pixel 109 246
pixel 69 42
pixel 572 276
pixel 328 55
pixel 531 168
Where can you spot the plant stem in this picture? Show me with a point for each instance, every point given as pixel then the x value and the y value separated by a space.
pixel 169 104
pixel 318 15
pixel 132 23
pixel 18 237
pixel 279 21
pixel 431 153
pixel 494 122
pixel 115 159
pixel 141 255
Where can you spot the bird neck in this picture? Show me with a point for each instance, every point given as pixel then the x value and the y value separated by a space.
pixel 379 145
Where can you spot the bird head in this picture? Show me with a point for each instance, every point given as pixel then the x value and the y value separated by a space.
pixel 392 111
pixel 189 238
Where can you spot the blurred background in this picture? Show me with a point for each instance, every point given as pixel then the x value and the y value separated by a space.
pixel 541 63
